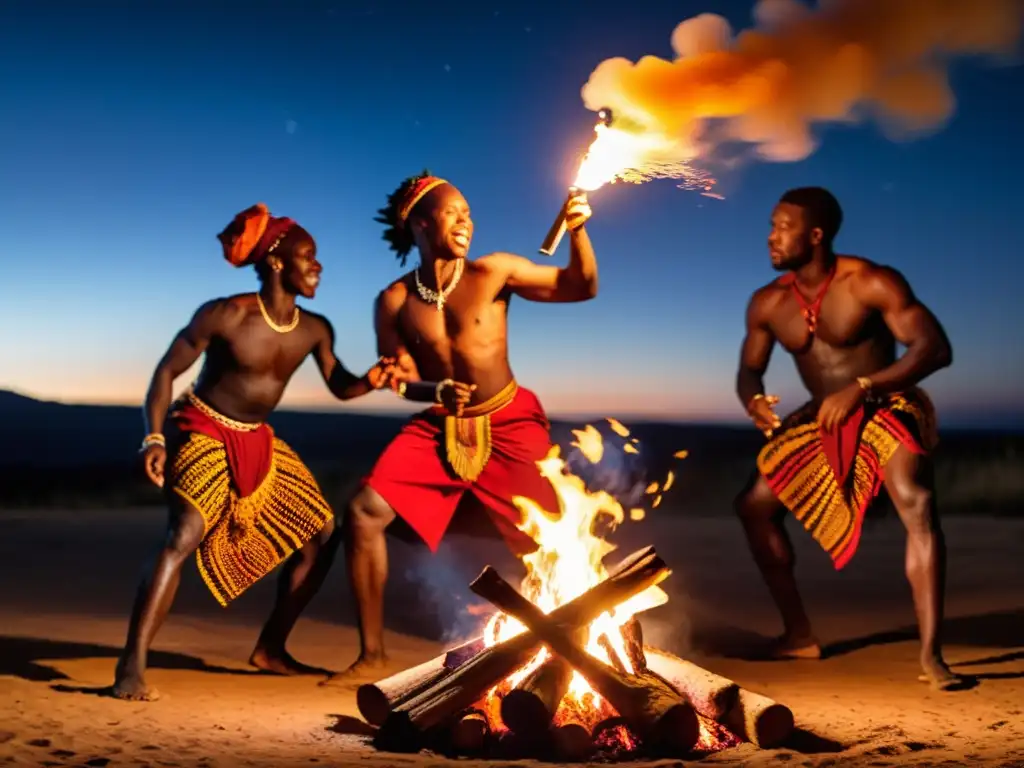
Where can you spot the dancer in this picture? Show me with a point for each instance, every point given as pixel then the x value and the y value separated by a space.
pixel 445 323
pixel 866 424
pixel 238 496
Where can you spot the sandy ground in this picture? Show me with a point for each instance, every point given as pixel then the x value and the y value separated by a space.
pixel 66 580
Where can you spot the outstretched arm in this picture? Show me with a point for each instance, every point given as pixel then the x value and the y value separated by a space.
pixel 341 382
pixel 188 345
pixel 912 324
pixel 543 282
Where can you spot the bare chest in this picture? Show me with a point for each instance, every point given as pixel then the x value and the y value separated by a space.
pixel 461 321
pixel 472 314
pixel 841 322
pixel 257 349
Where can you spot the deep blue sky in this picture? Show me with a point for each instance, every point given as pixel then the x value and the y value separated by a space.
pixel 132 132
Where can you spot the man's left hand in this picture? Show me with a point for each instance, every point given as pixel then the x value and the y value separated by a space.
pixel 837 407
pixel 577 212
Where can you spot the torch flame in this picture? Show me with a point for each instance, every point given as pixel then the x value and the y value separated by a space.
pixel 618 154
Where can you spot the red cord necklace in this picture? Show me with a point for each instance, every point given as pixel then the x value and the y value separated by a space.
pixel 810 310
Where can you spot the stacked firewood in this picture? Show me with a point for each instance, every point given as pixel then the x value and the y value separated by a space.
pixel 442 703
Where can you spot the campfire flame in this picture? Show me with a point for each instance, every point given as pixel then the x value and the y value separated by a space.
pixel 567 562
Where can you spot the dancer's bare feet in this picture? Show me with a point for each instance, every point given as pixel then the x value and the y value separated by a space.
pixel 130 684
pixel 795 646
pixel 280 662
pixel 938 675
pixel 365 669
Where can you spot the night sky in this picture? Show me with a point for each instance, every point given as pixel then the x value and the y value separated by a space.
pixel 133 132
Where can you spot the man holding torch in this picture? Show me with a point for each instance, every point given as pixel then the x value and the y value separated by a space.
pixel 482 434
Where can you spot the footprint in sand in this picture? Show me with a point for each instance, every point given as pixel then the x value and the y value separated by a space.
pixel 892 750
pixel 39 743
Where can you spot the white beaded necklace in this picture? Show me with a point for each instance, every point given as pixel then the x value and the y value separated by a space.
pixel 431 296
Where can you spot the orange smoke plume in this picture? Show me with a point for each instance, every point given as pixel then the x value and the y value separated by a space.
pixel 844 61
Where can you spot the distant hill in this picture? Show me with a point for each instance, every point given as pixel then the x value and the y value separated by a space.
pixel 46 433
pixel 86 455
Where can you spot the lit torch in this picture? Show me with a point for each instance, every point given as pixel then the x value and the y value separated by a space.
pixel 557 231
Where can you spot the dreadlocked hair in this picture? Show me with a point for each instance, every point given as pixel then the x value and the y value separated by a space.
pixel 398 234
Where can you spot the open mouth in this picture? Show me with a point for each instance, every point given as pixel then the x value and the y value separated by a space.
pixel 461 239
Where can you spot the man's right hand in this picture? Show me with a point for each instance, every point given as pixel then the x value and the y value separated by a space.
pixel 456 396
pixel 762 411
pixel 153 460
pixel 381 374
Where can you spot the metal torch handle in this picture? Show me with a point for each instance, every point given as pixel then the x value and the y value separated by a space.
pixel 558 229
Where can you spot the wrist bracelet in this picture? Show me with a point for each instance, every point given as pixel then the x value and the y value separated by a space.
pixel 440 388
pixel 154 438
pixel 754 399
pixel 864 383
pixel 401 388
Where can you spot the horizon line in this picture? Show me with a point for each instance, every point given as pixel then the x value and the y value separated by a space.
pixel 401 413
pixel 962 420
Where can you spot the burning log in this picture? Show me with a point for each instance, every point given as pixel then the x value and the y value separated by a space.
pixel 532 704
pixel 613 656
pixel 658 713
pixel 572 742
pixel 376 700
pixel 632 634
pixel 750 716
pixel 470 732
pixel 403 728
pixel 711 695
pixel 759 720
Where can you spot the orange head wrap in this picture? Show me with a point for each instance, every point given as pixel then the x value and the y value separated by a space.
pixel 416 193
pixel 253 235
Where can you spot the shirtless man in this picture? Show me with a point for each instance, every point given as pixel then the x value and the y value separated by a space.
pixel 866 424
pixel 238 496
pixel 445 323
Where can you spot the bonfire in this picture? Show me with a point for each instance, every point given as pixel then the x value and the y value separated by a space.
pixel 561 669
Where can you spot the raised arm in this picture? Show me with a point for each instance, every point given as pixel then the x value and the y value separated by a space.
pixel 190 342
pixel 911 323
pixel 544 282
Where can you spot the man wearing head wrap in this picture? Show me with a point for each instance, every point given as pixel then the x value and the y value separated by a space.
pixel 479 440
pixel 866 425
pixel 239 497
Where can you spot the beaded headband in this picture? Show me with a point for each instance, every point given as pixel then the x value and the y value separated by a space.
pixel 416 193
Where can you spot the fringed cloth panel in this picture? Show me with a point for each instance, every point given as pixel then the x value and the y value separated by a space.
pixel 467 438
pixel 246 537
pixel 800 465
